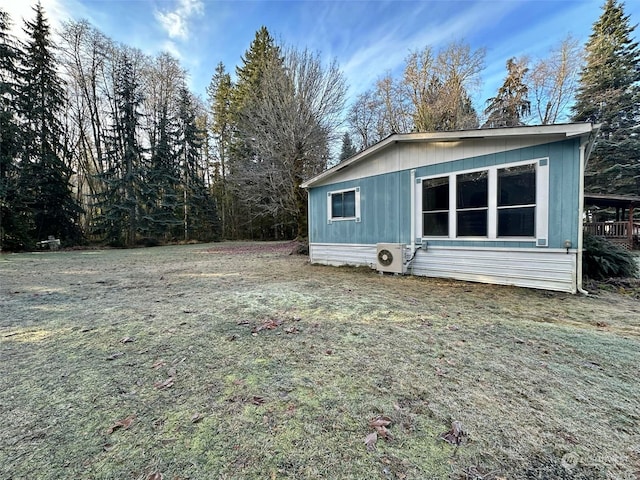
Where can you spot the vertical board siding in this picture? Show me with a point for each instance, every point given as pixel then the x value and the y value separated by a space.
pixel 385 198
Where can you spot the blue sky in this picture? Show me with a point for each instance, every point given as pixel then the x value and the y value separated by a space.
pixel 368 38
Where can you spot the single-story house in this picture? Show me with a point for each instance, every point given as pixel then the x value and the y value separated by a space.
pixel 501 206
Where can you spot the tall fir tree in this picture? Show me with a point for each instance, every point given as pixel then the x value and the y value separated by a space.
pixel 119 202
pixel 45 185
pixel 348 148
pixel 199 210
pixel 220 93
pixel 160 188
pixel 511 104
pixel 13 234
pixel 609 94
pixel 249 222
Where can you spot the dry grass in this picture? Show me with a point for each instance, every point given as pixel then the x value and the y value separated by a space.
pixel 240 361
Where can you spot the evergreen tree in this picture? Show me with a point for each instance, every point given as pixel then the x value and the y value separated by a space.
pixel 249 221
pixel 118 203
pixel 511 103
pixel 199 211
pixel 220 92
pixel 161 182
pixel 609 94
pixel 45 170
pixel 348 149
pixel 12 230
pixel 257 58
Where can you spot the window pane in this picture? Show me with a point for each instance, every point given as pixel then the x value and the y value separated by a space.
pixel 435 194
pixel 436 224
pixel 472 189
pixel 349 204
pixel 336 205
pixel 472 223
pixel 517 222
pixel 517 185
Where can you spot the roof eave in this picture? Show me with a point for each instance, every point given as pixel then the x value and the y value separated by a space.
pixel 567 130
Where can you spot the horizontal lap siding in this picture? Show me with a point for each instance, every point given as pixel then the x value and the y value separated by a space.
pixel 537 268
pixel 533 268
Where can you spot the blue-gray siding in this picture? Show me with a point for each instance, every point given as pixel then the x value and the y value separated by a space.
pixel 385 200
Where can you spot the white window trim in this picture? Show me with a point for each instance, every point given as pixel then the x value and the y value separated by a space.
pixel 542 204
pixel 356 218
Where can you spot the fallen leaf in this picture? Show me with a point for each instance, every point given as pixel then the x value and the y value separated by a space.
pixel 370 441
pixel 158 364
pixel 291 330
pixel 383 432
pixel 456 435
pixel 127 340
pixel 256 400
pixel 155 476
pixel 125 423
pixel 166 384
pixel 172 372
pixel 196 417
pixel 440 372
pixel 113 356
pixel 268 325
pixel 380 422
pixel 107 447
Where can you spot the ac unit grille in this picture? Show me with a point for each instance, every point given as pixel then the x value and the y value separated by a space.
pixel 390 257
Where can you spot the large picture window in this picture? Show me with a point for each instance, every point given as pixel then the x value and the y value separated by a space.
pixel 472 204
pixel 498 202
pixel 517 201
pixel 435 207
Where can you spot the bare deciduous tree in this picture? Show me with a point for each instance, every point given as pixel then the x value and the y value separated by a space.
pixel 439 86
pixel 291 125
pixel 554 80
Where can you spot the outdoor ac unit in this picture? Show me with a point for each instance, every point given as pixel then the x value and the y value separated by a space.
pixel 390 257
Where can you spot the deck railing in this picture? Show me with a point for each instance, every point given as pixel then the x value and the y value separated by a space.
pixel 619 232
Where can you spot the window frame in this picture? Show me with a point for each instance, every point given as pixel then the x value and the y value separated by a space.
pixel 541 207
pixel 330 217
pixel 424 212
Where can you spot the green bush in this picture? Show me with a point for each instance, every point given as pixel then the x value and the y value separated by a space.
pixel 602 259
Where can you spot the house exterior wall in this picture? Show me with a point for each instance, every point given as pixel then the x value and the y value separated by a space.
pixel 384 183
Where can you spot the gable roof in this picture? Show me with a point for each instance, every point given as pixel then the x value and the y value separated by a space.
pixel 561 131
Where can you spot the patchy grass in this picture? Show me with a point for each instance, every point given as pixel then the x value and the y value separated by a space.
pixel 239 361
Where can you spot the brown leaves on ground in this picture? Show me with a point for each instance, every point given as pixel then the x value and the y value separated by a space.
pixel 124 424
pixel 270 324
pixel 379 425
pixel 155 476
pixel 370 441
pixel 456 435
pixel 168 383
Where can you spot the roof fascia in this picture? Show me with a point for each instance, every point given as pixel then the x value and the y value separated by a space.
pixel 566 130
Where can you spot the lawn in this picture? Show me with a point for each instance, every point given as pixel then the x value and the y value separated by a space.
pixel 238 360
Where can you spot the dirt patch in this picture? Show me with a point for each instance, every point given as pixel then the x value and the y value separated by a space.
pixel 238 360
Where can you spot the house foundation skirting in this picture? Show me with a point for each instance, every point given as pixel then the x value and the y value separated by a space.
pixel 548 269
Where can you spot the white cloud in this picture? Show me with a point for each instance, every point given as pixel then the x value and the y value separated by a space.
pixel 175 22
pixel 56 12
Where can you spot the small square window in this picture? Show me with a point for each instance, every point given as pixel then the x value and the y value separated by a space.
pixel 343 205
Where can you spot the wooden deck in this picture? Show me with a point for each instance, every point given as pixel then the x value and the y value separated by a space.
pixel 625 233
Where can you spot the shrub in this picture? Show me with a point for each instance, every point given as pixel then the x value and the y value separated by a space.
pixel 602 259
